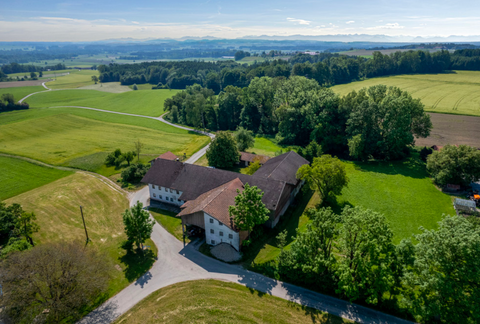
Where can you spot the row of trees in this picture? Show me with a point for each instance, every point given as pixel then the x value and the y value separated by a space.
pixel 20 68
pixel 377 122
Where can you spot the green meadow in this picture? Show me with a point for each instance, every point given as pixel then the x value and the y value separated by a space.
pixel 141 102
pixel 20 92
pixel 76 79
pixel 454 93
pixel 18 176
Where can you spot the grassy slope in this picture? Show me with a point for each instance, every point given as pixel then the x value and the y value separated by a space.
pixel 264 146
pixel 60 138
pixel 75 79
pixel 211 301
pixel 56 206
pixel 456 93
pixel 20 92
pixel 141 102
pixel 19 176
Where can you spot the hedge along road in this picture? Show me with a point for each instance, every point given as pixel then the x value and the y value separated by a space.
pixel 178 263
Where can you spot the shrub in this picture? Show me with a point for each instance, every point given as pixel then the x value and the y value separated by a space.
pixel 134 172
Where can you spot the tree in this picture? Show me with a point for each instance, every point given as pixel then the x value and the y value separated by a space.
pixel 33 75
pixel 134 172
pixel 138 148
pixel 367 252
pixel 8 98
pixel 115 158
pixel 51 282
pixel 244 139
pixel 253 167
pixel 15 244
pixel 94 79
pixel 388 119
pixel 249 210
pixel 424 153
pixel 443 281
pixel 129 156
pixel 134 87
pixel 138 225
pixel 311 151
pixel 25 226
pixel 310 259
pixel 40 74
pixel 223 152
pixel 326 175
pixel 8 217
pixel 455 165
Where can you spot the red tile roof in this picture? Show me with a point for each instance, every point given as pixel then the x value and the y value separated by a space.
pixel 216 202
pixel 167 156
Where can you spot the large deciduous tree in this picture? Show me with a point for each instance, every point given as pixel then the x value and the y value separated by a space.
pixel 138 225
pixel 388 119
pixel 455 165
pixel 223 151
pixel 366 255
pixel 51 282
pixel 443 283
pixel 249 210
pixel 244 139
pixel 326 175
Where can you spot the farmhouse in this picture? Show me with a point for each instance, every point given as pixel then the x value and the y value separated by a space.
pixel 204 194
pixel 247 158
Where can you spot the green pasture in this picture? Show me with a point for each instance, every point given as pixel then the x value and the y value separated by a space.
pixel 454 93
pixel 56 206
pixel 18 176
pixel 213 301
pixel 265 146
pixel 76 79
pixel 141 102
pixel 75 137
pixel 20 92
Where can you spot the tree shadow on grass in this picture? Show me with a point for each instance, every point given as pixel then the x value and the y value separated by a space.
pixel 411 167
pixel 137 262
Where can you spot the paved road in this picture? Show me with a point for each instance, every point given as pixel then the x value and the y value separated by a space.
pixel 177 263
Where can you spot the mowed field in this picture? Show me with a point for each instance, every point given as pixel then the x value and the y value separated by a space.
pixel 18 176
pixel 76 79
pixel 212 301
pixel 20 92
pixel 71 136
pixel 56 206
pixel 452 93
pixel 141 102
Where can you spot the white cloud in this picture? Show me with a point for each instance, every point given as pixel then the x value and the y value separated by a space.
pixel 135 22
pixel 299 21
pixel 350 22
pixel 388 26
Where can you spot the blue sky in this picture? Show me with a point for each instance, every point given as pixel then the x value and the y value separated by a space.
pixel 104 19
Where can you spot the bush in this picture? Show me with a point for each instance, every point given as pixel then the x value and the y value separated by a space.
pixel 134 173
pixel 424 153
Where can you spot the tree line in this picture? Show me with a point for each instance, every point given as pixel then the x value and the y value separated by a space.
pixel 7 103
pixel 21 68
pixel 377 122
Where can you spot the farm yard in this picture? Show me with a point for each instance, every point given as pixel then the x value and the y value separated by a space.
pixel 452 93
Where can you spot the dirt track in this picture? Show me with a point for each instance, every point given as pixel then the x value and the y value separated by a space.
pixel 452 129
pixel 14 84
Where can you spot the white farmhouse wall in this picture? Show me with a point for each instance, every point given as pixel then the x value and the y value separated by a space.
pixel 217 228
pixel 165 195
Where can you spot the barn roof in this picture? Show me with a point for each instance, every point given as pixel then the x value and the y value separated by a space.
pixel 282 168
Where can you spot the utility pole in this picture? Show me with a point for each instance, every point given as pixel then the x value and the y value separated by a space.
pixel 86 233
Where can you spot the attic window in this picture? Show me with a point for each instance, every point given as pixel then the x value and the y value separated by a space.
pixel 211 220
pixel 220 223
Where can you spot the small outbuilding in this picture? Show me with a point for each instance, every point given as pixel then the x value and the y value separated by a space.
pixel 464 205
pixel 247 158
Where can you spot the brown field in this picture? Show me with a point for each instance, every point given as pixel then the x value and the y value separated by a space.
pixel 15 84
pixel 452 129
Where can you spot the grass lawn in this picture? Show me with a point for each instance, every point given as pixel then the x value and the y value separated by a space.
pixel 172 224
pixel 56 137
pixel 212 301
pixel 56 206
pixel 454 93
pixel 141 102
pixel 113 87
pixel 20 92
pixel 75 79
pixel 19 176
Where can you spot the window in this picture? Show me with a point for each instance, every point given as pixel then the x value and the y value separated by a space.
pixel 154 195
pixel 178 192
pixel 160 196
pixel 220 223
pixel 159 188
pixel 221 233
pixel 213 241
pixel 212 231
pixel 171 199
pixel 230 236
pixel 153 186
pixel 171 191
pixel 211 220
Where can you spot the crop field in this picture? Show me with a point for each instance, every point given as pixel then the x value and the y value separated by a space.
pixel 451 93
pixel 56 206
pixel 20 92
pixel 213 301
pixel 141 102
pixel 18 176
pixel 69 136
pixel 15 84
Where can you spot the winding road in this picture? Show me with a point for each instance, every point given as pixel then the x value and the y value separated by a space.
pixel 177 263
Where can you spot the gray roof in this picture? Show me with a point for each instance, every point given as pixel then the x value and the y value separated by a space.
pixel 282 168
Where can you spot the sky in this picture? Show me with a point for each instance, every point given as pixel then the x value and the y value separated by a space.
pixel 86 20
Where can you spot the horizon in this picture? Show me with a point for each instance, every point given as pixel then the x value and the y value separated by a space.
pixel 88 21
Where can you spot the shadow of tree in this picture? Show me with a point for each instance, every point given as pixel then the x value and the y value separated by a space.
pixel 137 262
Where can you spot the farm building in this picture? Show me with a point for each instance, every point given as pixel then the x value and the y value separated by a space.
pixel 464 205
pixel 247 158
pixel 204 194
